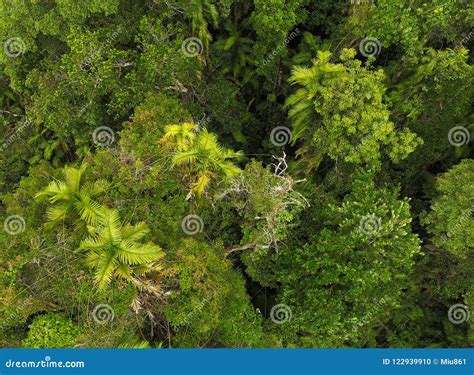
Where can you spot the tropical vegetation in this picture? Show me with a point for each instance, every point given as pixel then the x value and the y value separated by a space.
pixel 236 174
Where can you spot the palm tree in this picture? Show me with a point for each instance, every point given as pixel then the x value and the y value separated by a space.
pixel 302 103
pixel 114 250
pixel 200 12
pixel 200 155
pixel 181 135
pixel 240 48
pixel 72 196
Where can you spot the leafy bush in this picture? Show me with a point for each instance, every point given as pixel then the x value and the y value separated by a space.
pixel 53 330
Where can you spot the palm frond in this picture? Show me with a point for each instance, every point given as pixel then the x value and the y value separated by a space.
pixel 57 213
pixel 203 157
pixel 92 189
pixel 135 254
pixel 229 169
pixel 200 186
pixel 111 226
pixel 105 266
pixel 89 210
pixel 142 269
pixel 181 134
pixel 73 177
pixel 124 271
pixel 134 232
pixel 94 243
pixel 186 157
pixel 56 190
pixel 230 154
pixel 92 259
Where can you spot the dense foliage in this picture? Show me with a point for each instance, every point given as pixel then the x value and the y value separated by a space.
pixel 220 173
